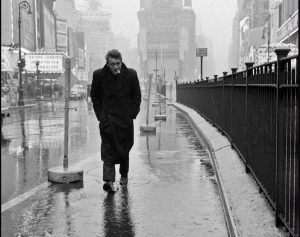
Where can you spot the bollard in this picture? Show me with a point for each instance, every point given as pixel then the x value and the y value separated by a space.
pixel 65 174
pixel 233 70
pixel 146 127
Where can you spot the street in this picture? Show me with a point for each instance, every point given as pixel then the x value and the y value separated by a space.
pixel 172 189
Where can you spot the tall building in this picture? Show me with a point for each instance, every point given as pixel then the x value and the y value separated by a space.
pixel 95 21
pixel 6 22
pixel 45 30
pixel 166 40
pixel 65 9
pixel 27 25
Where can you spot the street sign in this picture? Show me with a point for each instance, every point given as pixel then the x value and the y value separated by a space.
pixel 200 52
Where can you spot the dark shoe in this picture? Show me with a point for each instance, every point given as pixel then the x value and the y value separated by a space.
pixel 123 180
pixel 109 187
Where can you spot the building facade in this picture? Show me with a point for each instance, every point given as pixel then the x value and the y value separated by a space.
pixel 95 22
pixel 284 21
pixel 259 21
pixel 166 40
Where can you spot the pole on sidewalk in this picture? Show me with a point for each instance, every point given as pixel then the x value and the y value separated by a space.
pixel 201 59
pixel 66 174
pixel 156 102
pixel 147 127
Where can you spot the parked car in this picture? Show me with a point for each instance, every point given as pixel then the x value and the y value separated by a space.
pixel 78 92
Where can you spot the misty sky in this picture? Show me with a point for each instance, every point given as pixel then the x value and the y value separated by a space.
pixel 214 18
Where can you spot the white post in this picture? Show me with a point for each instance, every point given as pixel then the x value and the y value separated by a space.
pixel 148 102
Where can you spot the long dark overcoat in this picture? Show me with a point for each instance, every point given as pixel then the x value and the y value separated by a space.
pixel 116 101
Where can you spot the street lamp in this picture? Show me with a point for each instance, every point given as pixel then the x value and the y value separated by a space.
pixel 38 85
pixel 21 62
pixel 267 29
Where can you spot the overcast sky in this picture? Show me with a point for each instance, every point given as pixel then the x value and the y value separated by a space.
pixel 214 18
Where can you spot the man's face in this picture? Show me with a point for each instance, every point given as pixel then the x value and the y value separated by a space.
pixel 115 65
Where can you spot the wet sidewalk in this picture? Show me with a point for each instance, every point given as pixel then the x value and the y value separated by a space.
pixel 172 191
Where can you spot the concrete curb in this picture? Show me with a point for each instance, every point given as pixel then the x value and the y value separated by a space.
pixel 231 228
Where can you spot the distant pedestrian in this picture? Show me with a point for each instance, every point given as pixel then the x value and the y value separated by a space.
pixel 116 98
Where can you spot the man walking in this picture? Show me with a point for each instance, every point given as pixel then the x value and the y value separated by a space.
pixel 116 98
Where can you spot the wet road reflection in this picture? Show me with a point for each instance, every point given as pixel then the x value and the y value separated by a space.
pixel 34 143
pixel 171 190
pixel 117 217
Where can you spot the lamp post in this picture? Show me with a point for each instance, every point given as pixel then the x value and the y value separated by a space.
pixel 267 29
pixel 21 63
pixel 38 85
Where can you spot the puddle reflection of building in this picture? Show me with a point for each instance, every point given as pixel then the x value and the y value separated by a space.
pixel 117 217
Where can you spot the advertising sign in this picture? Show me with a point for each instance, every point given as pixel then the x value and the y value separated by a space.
pixel 81 75
pixel 162 37
pixel 80 58
pixel 61 26
pixel 51 63
pixel 200 52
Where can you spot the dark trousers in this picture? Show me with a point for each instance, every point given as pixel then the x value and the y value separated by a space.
pixel 109 173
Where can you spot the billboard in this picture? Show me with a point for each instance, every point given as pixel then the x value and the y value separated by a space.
pixel 61 26
pixel 61 35
pixel 165 37
pixel 50 63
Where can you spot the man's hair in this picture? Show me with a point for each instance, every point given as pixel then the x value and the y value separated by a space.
pixel 114 53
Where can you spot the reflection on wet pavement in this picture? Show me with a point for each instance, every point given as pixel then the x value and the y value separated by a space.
pixel 117 217
pixel 34 143
pixel 171 192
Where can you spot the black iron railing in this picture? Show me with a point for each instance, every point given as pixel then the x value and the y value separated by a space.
pixel 258 110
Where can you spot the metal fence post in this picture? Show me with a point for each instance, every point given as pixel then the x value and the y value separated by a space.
pixel 233 70
pixel 281 53
pixel 215 78
pixel 297 154
pixel 248 75
pixel 223 91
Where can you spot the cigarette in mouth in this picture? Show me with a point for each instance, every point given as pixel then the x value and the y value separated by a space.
pixel 118 71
